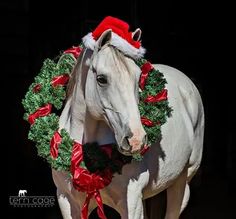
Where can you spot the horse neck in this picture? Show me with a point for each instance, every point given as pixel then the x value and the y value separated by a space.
pixel 97 131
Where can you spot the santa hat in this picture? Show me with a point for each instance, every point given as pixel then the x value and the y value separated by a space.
pixel 121 38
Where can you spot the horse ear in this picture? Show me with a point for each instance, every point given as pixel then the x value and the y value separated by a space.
pixel 136 35
pixel 105 38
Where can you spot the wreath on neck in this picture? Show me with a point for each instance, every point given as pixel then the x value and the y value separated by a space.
pixel 90 166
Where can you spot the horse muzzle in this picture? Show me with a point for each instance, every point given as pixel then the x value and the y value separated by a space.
pixel 132 145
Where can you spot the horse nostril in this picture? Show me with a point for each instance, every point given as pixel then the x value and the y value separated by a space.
pixel 127 139
pixel 125 144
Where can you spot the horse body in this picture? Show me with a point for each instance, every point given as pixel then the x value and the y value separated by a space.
pixel 169 164
pixel 177 157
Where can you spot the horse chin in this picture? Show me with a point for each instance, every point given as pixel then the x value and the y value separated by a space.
pixel 124 152
pixel 124 148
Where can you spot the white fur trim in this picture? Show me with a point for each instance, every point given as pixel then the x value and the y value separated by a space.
pixel 88 41
pixel 119 43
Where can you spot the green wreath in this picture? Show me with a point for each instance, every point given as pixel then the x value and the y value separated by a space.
pixel 49 90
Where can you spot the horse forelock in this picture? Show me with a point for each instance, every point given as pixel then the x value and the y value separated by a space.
pixel 112 60
pixel 119 58
pixel 125 65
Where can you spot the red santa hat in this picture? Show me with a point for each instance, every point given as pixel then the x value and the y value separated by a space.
pixel 121 38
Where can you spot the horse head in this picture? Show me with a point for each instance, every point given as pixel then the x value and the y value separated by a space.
pixel 111 94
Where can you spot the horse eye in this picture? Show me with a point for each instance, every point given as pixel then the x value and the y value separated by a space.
pixel 102 79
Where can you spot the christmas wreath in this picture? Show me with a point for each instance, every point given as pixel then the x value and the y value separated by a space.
pixel 49 90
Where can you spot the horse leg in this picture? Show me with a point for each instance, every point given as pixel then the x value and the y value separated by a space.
pixel 69 209
pixel 145 210
pixel 134 202
pixel 175 194
pixel 186 198
pixel 156 206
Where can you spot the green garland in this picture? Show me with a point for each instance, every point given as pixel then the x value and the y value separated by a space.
pixel 158 111
pixel 41 92
pixel 44 128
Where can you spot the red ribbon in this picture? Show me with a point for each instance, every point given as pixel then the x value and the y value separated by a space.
pixel 37 88
pixel 146 68
pixel 54 143
pixel 75 51
pixel 159 97
pixel 85 181
pixel 144 149
pixel 60 80
pixel 42 111
pixel 147 122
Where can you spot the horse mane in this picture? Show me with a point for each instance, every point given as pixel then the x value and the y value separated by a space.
pixel 74 75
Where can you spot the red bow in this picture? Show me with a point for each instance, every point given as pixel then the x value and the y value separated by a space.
pixel 85 181
pixel 146 68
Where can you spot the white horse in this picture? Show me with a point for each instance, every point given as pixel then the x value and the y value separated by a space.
pixel 102 106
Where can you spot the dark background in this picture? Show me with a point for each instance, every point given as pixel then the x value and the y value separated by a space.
pixel 188 35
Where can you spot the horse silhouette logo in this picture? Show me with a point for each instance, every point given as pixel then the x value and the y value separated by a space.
pixel 22 193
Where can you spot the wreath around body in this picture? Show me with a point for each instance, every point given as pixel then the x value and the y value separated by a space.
pixel 94 164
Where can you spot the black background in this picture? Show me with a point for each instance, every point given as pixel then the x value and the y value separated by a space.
pixel 188 35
